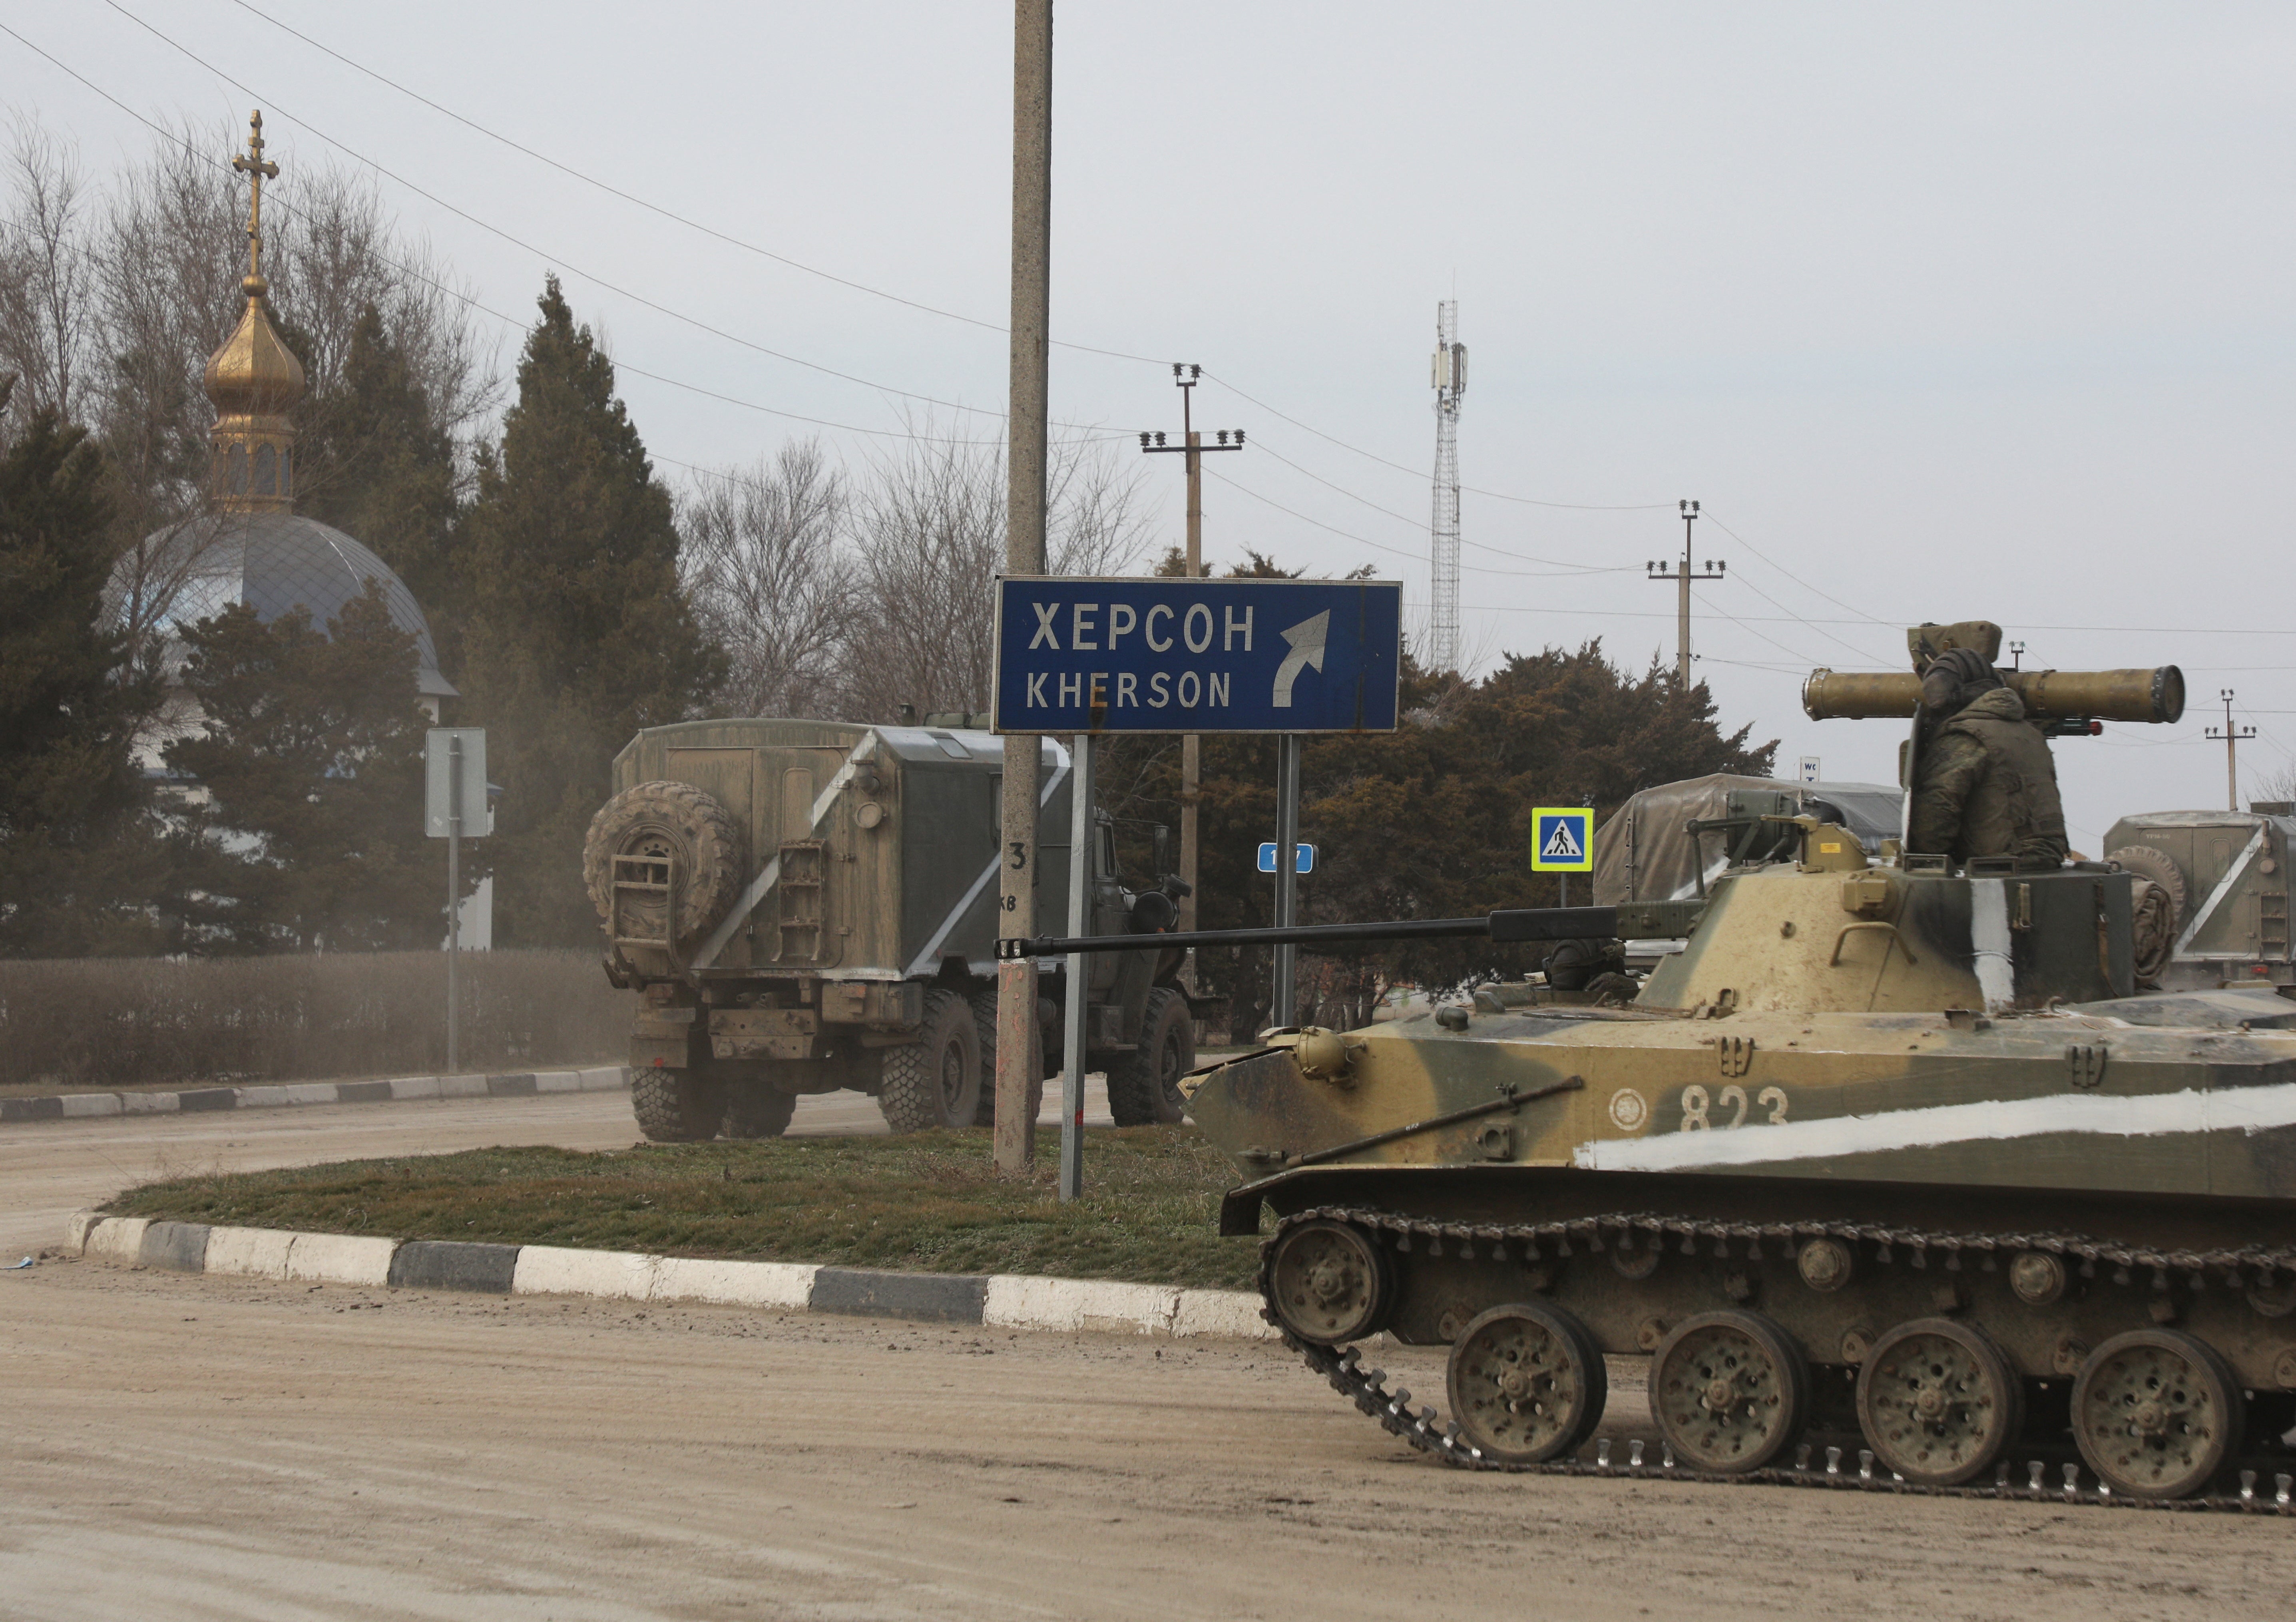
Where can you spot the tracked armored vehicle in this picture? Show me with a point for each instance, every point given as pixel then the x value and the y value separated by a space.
pixel 1893 1172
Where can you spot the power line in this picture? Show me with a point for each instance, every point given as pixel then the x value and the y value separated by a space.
pixel 1345 534
pixel 1796 578
pixel 654 207
pixel 1574 506
pixel 525 246
pixel 1782 608
pixel 460 297
pixel 748 246
pixel 1519 557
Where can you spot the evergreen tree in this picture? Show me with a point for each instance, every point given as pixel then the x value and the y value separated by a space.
pixel 579 634
pixel 376 462
pixel 1432 820
pixel 308 831
pixel 76 856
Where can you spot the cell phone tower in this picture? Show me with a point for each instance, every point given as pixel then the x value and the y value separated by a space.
pixel 1450 380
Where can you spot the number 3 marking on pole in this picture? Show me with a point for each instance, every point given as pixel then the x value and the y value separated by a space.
pixel 1020 855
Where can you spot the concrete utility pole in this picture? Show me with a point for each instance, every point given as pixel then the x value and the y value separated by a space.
pixel 1017 1055
pixel 1683 576
pixel 1191 750
pixel 2234 737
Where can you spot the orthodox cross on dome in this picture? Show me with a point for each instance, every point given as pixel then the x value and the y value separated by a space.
pixel 258 170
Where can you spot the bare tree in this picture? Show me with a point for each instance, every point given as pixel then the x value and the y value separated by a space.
pixel 165 265
pixel 47 277
pixel 929 534
pixel 762 554
pixel 1095 522
pixel 930 541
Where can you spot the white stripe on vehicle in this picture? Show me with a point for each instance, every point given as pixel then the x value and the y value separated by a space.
pixel 2233 875
pixel 2148 1115
pixel 770 875
pixel 927 959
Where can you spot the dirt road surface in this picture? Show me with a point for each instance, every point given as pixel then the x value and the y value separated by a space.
pixel 207 1447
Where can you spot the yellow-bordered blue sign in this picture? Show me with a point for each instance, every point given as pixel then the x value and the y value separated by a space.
pixel 1563 839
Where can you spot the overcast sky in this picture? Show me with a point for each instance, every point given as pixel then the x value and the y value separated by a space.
pixel 1943 312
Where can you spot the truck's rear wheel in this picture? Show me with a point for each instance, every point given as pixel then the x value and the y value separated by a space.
pixel 984 1022
pixel 677 1106
pixel 934 1081
pixel 756 1110
pixel 1143 1085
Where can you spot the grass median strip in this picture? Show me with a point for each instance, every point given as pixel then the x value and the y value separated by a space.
pixel 931 1202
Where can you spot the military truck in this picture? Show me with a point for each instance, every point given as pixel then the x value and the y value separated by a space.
pixel 810 905
pixel 2217 912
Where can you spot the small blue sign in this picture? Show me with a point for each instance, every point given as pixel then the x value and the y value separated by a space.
pixel 1177 655
pixel 1303 857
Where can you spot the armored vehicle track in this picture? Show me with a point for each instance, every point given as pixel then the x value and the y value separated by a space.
pixel 2047 1463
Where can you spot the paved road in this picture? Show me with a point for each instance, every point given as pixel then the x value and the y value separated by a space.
pixel 210 1448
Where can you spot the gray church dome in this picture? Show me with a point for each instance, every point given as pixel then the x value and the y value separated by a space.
pixel 274 563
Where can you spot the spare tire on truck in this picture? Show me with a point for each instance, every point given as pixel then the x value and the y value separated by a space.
pixel 680 828
pixel 2159 907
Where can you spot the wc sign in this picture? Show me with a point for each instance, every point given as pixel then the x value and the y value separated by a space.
pixel 1563 839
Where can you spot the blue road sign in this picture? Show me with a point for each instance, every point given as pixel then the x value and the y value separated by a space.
pixel 1303 857
pixel 1563 839
pixel 1197 656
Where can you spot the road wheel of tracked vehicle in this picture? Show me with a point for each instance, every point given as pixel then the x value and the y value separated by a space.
pixel 934 1081
pixel 677 1106
pixel 984 1023
pixel 756 1110
pixel 1143 1085
pixel 1729 1389
pixel 1938 1401
pixel 1527 1383
pixel 665 820
pixel 2156 1412
pixel 1330 1282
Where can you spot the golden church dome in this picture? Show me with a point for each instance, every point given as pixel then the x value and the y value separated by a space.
pixel 255 374
pixel 255 378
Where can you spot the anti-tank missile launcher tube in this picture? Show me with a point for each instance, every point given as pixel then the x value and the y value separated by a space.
pixel 2049 695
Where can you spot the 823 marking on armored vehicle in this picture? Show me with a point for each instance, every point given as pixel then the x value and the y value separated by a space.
pixel 1891 1160
pixel 809 906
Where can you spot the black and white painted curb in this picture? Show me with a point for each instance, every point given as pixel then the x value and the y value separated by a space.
pixel 992 1300
pixel 75 1106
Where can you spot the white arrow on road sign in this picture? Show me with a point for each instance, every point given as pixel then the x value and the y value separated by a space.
pixel 1307 639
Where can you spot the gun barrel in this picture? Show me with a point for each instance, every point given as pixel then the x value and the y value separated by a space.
pixel 2050 695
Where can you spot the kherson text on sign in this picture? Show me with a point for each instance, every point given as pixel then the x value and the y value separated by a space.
pixel 1195 655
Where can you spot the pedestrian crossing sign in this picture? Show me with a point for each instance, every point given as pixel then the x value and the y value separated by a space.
pixel 1563 839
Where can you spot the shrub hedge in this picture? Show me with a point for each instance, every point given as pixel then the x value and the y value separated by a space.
pixel 136 1021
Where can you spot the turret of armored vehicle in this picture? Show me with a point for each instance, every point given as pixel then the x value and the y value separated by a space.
pixel 809 906
pixel 1893 1172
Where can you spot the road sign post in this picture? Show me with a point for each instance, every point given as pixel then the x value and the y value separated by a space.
pixel 1283 1003
pixel 1094 656
pixel 1563 841
pixel 1083 842
pixel 453 806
